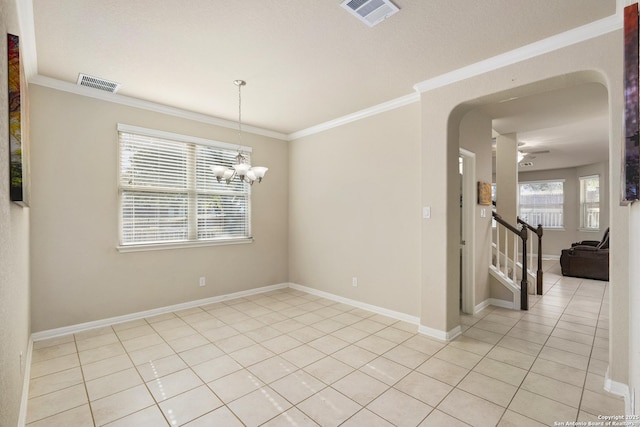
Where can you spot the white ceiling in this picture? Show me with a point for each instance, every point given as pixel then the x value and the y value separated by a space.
pixel 306 62
pixel 561 128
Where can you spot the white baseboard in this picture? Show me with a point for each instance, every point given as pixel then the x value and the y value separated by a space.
pixel 434 333
pixel 501 303
pixel 484 304
pixel 440 335
pixel 24 400
pixel 52 333
pixel 619 389
pixel 369 307
pixel 495 302
pixel 424 330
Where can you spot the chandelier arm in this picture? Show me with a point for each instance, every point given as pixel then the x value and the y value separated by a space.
pixel 233 175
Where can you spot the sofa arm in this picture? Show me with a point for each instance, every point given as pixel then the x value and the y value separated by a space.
pixel 584 248
pixel 586 243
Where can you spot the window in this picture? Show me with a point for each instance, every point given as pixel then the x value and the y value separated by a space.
pixel 542 202
pixel 494 189
pixel 168 193
pixel 590 202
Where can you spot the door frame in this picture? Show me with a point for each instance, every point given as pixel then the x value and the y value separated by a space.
pixel 468 222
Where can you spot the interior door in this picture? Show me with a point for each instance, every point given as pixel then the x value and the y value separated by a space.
pixel 466 164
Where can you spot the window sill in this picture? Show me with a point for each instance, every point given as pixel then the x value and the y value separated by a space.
pixel 589 230
pixel 181 245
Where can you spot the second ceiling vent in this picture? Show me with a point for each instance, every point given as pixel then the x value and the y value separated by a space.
pixel 98 83
pixel 371 12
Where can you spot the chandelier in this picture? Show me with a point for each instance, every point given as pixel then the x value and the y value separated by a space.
pixel 242 169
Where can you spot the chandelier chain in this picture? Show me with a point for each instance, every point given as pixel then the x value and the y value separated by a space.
pixel 240 114
pixel 239 83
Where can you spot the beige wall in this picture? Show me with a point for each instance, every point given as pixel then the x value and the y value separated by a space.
pixel 14 257
pixel 507 179
pixel 355 212
pixel 442 110
pixel 556 240
pixel 77 273
pixel 475 136
pixel 499 292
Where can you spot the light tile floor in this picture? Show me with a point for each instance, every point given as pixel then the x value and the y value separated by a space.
pixel 287 358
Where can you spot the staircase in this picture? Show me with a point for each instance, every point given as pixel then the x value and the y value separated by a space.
pixel 512 254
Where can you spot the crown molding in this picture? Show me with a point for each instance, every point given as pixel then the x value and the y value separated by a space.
pixel 550 44
pixel 541 47
pixel 359 115
pixel 150 106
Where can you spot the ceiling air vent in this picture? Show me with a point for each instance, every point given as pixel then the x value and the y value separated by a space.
pixel 98 83
pixel 371 12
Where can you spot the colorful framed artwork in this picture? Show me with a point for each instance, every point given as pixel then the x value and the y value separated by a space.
pixel 15 120
pixel 631 156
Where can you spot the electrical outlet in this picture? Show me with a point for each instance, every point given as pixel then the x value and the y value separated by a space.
pixel 203 281
pixel 354 281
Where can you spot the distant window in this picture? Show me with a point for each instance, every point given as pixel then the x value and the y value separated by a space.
pixel 168 193
pixel 493 203
pixel 590 202
pixel 493 194
pixel 542 202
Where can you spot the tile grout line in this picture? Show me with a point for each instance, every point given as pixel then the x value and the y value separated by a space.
pixel 573 295
pixel 591 350
pixel 541 348
pixel 137 372
pixel 590 353
pixel 84 380
pixel 386 326
pixel 268 384
pixel 519 387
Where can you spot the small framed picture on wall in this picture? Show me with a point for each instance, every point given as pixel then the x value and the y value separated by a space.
pixel 484 193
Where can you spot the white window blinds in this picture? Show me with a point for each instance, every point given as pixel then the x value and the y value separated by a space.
pixel 168 193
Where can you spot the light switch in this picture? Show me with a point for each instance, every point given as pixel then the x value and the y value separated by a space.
pixel 483 213
pixel 426 212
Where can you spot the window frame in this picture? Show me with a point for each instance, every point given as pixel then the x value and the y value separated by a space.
pixel 192 190
pixel 542 181
pixel 582 226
